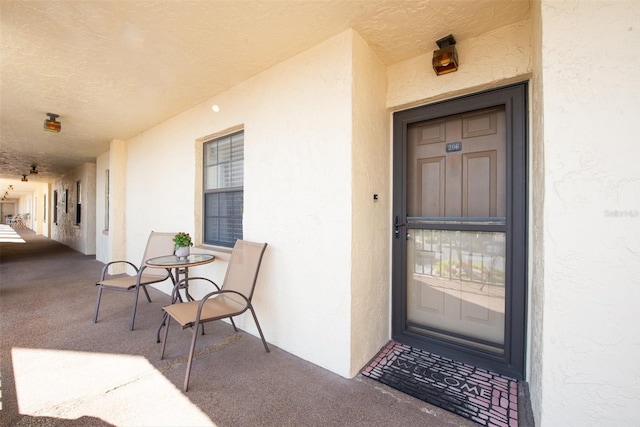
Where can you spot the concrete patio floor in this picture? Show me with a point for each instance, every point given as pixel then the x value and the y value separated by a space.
pixel 57 368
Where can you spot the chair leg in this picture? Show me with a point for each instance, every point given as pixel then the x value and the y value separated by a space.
pixel 95 314
pixel 133 310
pixel 162 324
pixel 146 293
pixel 190 360
pixel 166 333
pixel 233 323
pixel 255 318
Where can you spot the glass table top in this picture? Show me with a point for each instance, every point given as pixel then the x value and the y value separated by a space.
pixel 172 261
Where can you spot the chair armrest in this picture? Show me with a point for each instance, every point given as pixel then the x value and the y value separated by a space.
pixel 220 292
pixel 106 267
pixel 141 270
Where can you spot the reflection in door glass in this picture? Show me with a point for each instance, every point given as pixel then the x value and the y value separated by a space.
pixel 469 256
pixel 456 285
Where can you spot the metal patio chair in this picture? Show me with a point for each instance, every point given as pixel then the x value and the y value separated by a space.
pixel 232 299
pixel 158 244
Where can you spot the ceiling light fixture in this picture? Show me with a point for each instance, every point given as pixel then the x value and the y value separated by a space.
pixel 50 124
pixel 24 178
pixel 34 170
pixel 445 59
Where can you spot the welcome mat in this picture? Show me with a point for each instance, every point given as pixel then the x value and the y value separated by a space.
pixel 482 396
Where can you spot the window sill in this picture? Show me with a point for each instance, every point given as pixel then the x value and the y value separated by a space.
pixel 220 252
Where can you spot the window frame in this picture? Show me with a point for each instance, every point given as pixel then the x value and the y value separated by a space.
pixel 78 204
pixel 55 207
pixel 230 190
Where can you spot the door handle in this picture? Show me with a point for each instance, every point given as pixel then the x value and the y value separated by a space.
pixel 397 225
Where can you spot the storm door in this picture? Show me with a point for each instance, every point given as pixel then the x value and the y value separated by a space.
pixel 460 229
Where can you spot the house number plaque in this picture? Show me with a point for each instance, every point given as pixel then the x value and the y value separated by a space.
pixel 454 146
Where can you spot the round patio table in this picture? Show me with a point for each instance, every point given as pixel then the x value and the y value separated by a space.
pixel 175 266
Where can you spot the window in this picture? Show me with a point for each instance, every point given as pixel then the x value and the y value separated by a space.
pixel 55 206
pixel 223 189
pixel 78 202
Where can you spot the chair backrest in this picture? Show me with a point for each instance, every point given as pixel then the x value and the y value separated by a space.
pixel 158 244
pixel 244 265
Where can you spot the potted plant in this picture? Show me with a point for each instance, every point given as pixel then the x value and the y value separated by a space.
pixel 183 244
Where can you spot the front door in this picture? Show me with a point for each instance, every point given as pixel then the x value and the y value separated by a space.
pixel 460 235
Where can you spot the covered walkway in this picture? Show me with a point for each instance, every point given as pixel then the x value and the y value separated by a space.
pixel 59 369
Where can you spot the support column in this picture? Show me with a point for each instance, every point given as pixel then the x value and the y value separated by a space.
pixel 117 199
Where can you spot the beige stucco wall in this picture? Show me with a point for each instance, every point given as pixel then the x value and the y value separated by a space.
pixel 298 193
pixel 26 207
pixel 111 240
pixel 40 214
pixel 8 207
pixel 103 243
pixel 494 59
pixel 44 227
pixel 591 336
pixel 371 233
pixel 80 237
pixel 536 220
pixel 36 203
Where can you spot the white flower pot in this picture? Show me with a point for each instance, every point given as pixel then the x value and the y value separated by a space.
pixel 183 251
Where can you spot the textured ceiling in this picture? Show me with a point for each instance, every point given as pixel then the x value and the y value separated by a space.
pixel 112 69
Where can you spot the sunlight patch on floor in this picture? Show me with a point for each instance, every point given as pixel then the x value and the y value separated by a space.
pixel 8 234
pixel 118 389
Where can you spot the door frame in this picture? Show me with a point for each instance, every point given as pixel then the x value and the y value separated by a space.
pixel 514 99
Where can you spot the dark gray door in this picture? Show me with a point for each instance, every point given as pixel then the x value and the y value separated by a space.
pixel 460 221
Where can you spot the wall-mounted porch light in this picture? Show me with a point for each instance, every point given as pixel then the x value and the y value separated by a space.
pixel 445 59
pixel 50 124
